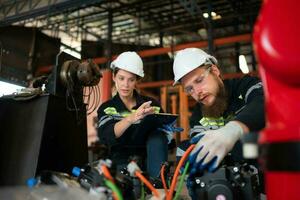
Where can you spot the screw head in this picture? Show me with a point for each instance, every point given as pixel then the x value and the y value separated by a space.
pixel 235 169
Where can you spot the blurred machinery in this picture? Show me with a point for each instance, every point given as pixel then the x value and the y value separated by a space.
pixel 76 81
pixel 39 130
pixel 278 53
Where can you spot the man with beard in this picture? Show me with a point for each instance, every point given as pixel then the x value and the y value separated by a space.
pixel 225 110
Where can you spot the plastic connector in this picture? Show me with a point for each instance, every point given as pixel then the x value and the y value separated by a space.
pixel 32 182
pixel 132 167
pixel 76 171
pixel 106 162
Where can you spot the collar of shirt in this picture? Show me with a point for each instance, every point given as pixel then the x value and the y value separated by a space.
pixel 120 106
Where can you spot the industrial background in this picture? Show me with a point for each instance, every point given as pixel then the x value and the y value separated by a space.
pixel 55 58
pixel 33 32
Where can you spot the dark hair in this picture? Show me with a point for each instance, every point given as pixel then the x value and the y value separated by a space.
pixel 116 69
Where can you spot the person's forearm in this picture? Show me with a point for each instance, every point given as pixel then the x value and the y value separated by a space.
pixel 144 110
pixel 121 127
pixel 243 126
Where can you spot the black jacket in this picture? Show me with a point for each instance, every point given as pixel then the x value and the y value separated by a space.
pixel 245 104
pixel 132 141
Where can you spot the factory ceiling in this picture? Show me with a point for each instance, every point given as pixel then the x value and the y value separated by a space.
pixel 100 29
pixel 140 22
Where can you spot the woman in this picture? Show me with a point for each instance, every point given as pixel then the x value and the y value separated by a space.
pixel 121 119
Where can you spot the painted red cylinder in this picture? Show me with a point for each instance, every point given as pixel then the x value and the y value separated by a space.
pixel 277 46
pixel 105 85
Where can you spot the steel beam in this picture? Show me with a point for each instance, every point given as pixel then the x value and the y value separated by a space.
pixel 52 8
pixel 157 84
pixel 200 44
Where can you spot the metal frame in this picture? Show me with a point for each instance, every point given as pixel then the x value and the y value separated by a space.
pixel 133 21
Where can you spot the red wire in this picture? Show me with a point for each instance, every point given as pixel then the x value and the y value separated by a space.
pixel 181 162
pixel 162 176
pixel 107 173
pixel 147 183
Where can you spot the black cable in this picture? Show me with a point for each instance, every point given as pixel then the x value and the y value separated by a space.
pixel 98 100
pixel 1 55
pixel 95 99
pixel 85 94
pixel 88 105
pixel 99 96
pixel 91 107
pixel 69 93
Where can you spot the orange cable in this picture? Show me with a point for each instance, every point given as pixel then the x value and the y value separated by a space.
pixel 162 176
pixel 147 183
pixel 115 196
pixel 181 162
pixel 107 173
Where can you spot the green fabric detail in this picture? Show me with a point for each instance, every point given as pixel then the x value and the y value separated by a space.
pixel 110 111
pixel 125 114
pixel 113 111
pixel 210 121
pixel 156 109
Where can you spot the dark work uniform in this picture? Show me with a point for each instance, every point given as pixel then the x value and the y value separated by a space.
pixel 245 104
pixel 134 140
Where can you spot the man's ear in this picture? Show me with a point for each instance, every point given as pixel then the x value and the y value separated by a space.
pixel 215 70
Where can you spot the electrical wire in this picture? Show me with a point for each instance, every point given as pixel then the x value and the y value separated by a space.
pixel 174 180
pixel 115 189
pixel 1 55
pixel 179 188
pixel 147 183
pixel 95 98
pixel 162 176
pixel 87 98
pixel 107 173
pixel 98 100
pixel 142 191
pixel 93 104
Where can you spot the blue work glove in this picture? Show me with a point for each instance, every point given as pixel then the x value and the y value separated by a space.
pixel 170 129
pixel 212 146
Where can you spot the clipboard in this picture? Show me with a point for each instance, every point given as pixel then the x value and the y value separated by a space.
pixel 160 118
pixel 152 122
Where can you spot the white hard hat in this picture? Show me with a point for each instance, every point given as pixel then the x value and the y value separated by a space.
pixel 189 59
pixel 129 61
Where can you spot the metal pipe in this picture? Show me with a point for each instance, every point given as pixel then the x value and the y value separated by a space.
pixel 164 50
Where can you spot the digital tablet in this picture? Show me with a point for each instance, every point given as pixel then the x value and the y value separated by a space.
pixel 160 118
pixel 152 122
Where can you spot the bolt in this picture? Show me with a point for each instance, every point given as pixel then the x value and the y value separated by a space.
pixel 202 184
pixel 198 181
pixel 235 169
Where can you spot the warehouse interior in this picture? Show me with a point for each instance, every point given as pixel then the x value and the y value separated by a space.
pixel 42 42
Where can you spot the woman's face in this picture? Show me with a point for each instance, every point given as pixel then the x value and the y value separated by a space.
pixel 125 82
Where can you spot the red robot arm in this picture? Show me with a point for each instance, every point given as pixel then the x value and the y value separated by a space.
pixel 277 45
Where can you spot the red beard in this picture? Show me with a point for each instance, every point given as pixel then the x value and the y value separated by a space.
pixel 220 105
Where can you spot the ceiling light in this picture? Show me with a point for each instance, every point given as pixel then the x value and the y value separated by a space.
pixel 213 14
